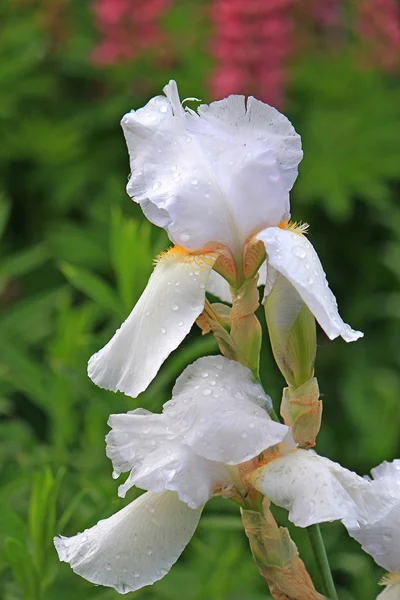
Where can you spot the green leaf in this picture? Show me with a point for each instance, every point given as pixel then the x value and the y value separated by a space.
pixel 93 287
pixel 5 209
pixel 11 525
pixel 22 263
pixel 23 569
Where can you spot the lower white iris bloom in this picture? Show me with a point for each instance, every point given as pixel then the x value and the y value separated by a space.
pixel 380 537
pixel 217 419
pixel 218 181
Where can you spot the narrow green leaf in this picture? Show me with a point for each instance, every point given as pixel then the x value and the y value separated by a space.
pixel 93 287
pixel 23 569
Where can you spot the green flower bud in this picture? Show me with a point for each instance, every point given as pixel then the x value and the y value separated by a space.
pixel 292 332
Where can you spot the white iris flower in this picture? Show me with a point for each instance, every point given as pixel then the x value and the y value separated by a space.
pixel 216 421
pixel 217 180
pixel 380 536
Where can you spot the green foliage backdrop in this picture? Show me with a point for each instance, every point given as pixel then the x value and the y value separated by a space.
pixel 76 254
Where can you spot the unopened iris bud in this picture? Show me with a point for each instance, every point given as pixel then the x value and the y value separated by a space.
pixel 292 332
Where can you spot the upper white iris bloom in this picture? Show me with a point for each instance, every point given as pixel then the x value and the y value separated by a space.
pixel 315 489
pixel 380 537
pixel 218 181
pixel 217 419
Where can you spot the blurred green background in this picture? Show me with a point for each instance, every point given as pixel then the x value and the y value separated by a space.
pixel 76 254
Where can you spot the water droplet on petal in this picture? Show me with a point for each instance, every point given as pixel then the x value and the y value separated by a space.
pixel 206 392
pixel 84 538
pixel 156 186
pixel 163 109
pixel 194 182
pixel 108 566
pixel 299 251
pixel 185 237
pixel 180 323
pixel 175 307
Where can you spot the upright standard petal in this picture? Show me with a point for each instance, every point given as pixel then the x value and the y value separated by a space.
pixel 135 547
pixel 217 176
pixel 222 411
pixel 292 255
pixel 314 489
pixel 162 318
pixel 380 534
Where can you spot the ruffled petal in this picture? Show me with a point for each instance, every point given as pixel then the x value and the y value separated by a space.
pixel 379 535
pixel 176 467
pixel 214 177
pixel 133 436
pixel 135 547
pixel 293 256
pixel 222 411
pixel 314 489
pixel 170 304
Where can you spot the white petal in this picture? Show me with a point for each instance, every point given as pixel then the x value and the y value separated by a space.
pixel 294 257
pixel 219 176
pixel 389 472
pixel 135 547
pixel 222 411
pixel 176 467
pixel 175 184
pixel 134 435
pixel 219 287
pixel 380 534
pixel 256 124
pixel 163 316
pixel 391 591
pixel 152 447
pixel 312 488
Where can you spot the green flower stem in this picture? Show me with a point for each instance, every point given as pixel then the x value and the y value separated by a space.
pixel 321 558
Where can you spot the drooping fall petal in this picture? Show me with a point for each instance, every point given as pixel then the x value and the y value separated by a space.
pixel 162 318
pixel 135 547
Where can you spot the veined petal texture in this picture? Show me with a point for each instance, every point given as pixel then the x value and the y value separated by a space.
pixel 162 318
pixel 135 547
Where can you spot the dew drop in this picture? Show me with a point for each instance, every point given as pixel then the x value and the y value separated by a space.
pixel 180 323
pixel 175 307
pixel 185 237
pixel 156 186
pixel 202 286
pixel 307 265
pixel 163 109
pixel 299 251
pixel 84 538
pixel 117 556
pixel 243 435
pixel 108 567
pixel 206 392
pixel 136 574
pixel 149 551
pixel 163 330
pixel 310 281
pixel 194 182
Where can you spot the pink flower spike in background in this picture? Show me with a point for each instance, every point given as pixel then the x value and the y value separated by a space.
pixel 127 27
